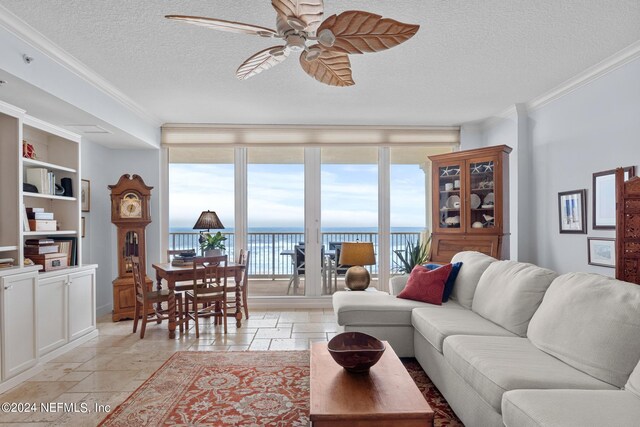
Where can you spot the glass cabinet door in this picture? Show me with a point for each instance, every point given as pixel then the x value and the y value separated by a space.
pixel 481 207
pixel 450 200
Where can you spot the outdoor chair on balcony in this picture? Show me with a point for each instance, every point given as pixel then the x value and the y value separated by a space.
pixel 337 269
pixel 299 267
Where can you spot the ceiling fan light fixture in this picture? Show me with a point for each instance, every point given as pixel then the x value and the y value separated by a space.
pixel 296 42
pixel 326 38
pixel 313 53
pixel 296 24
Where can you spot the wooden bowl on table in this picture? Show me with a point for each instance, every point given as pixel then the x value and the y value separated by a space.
pixel 355 351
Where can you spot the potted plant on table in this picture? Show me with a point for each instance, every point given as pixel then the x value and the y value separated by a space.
pixel 413 254
pixel 213 244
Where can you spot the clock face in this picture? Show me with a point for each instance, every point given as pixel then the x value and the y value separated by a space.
pixel 130 206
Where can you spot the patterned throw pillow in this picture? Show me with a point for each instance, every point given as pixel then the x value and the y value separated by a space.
pixel 426 285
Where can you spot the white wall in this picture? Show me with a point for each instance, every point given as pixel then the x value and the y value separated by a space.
pixel 592 129
pixel 103 167
pixel 557 147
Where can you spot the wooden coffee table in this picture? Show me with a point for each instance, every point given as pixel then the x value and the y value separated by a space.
pixel 386 396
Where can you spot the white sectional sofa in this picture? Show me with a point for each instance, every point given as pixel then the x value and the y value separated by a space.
pixel 517 345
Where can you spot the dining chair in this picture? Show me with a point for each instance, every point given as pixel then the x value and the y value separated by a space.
pixel 243 259
pixel 146 300
pixel 208 293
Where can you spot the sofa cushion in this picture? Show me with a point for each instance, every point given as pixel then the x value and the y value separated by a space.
pixel 473 265
pixel 494 365
pixel 591 322
pixel 570 408
pixel 509 292
pixel 435 324
pixel 376 309
pixel 426 285
pixel 397 283
pixel 448 286
pixel 633 384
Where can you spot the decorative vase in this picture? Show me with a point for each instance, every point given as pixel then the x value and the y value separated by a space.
pixel 214 252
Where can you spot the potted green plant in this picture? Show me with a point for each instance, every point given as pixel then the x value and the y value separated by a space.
pixel 413 254
pixel 213 244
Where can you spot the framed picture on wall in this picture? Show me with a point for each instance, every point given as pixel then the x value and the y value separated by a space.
pixel 604 197
pixel 85 195
pixel 572 211
pixel 602 252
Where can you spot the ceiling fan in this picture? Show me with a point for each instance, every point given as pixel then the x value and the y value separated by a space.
pixel 325 46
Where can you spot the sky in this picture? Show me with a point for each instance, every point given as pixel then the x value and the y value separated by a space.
pixel 349 195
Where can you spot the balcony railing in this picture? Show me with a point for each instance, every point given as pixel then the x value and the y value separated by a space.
pixel 266 248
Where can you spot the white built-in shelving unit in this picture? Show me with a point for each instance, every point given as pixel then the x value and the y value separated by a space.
pixel 42 314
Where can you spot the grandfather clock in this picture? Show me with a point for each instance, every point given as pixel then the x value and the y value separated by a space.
pixel 130 213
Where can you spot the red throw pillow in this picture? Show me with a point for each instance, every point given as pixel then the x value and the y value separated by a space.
pixel 426 285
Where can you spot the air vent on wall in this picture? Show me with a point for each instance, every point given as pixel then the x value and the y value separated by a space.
pixel 87 129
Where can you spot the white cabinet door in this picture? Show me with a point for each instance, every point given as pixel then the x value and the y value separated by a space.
pixel 19 344
pixel 82 303
pixel 52 313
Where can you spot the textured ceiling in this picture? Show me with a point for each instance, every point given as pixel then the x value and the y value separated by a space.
pixel 470 59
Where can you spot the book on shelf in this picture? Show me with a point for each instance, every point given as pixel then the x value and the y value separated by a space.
pixel 71 251
pixel 41 250
pixel 6 262
pixel 41 242
pixel 38 177
pixel 35 210
pixel 25 219
pixel 40 215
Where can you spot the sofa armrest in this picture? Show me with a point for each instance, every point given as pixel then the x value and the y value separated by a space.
pixel 397 283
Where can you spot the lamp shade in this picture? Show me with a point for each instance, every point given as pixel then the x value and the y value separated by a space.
pixel 356 253
pixel 208 220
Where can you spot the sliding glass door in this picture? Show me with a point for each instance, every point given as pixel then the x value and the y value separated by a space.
pixel 294 207
pixel 275 233
pixel 200 180
pixel 349 201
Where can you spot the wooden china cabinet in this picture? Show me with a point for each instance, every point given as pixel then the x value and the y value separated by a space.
pixel 130 213
pixel 470 191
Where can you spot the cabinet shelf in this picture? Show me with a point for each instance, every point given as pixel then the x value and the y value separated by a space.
pixel 51 233
pixel 41 164
pixel 8 248
pixel 482 189
pixel 49 196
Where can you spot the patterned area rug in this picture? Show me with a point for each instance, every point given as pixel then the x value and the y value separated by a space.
pixel 239 389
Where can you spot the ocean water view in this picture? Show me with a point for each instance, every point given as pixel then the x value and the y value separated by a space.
pixel 269 245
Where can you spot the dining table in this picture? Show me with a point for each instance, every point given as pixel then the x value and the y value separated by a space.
pixel 174 273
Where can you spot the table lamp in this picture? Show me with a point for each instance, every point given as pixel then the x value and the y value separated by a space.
pixel 357 254
pixel 208 220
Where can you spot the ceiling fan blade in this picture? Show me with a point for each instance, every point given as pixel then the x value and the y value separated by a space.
pixel 262 61
pixel 331 68
pixel 222 25
pixel 300 14
pixel 361 32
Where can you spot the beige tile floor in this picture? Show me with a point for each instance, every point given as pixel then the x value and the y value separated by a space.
pixel 107 369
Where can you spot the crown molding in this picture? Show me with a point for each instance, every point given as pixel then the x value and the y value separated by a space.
pixel 34 38
pixel 615 61
pixel 498 117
